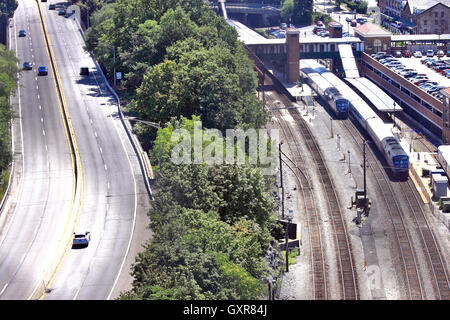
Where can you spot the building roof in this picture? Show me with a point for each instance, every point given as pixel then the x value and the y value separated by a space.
pixel 416 7
pixel 446 91
pixel 370 29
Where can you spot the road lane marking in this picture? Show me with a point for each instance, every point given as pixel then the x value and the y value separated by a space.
pixel 4 288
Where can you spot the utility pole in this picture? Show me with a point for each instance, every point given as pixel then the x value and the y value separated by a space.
pixel 281 180
pixel 364 174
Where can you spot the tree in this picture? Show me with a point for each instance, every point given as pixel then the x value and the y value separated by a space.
pixel 287 10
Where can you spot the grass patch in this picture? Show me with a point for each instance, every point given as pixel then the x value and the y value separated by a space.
pixel 292 256
pixel 4 180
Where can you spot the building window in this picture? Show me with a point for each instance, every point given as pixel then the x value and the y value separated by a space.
pixel 425 22
pixel 436 22
pixel 436 14
pixel 376 45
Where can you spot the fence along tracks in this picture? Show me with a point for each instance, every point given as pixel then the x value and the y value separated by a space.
pixel 413 282
pixel 347 275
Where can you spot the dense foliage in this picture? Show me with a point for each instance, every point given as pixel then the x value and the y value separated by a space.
pixel 211 222
pixel 8 83
pixel 211 227
pixel 178 59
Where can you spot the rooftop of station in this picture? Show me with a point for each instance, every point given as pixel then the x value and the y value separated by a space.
pixel 420 37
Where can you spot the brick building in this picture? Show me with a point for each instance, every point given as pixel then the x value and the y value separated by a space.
pixel 375 38
pixel 428 16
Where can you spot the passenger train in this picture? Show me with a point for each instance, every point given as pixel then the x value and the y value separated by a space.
pixel 380 132
pixel 326 90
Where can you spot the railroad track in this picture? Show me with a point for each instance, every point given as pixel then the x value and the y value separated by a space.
pixel 413 282
pixel 347 276
pixel 316 249
pixel 431 247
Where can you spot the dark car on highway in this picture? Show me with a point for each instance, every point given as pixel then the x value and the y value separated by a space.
pixel 42 71
pixel 81 239
pixel 27 65
pixel 22 33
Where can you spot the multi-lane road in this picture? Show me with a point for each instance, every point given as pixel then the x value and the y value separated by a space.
pixel 104 195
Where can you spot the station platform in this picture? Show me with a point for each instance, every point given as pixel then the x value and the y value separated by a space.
pixel 418 161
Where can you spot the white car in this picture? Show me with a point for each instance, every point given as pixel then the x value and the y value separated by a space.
pixel 430 53
pixel 418 54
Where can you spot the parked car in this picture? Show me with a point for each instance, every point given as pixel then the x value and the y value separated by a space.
pixel 51 6
pixel 353 23
pixel 399 68
pixel 447 74
pixel 319 23
pixel 418 54
pixel 283 26
pixel 425 60
pixel 430 53
pixel 443 71
pixel 348 19
pixel 62 12
pixel 318 29
pixel 406 53
pixel 408 74
pixel 325 34
pixel 430 62
pixel 436 89
pixel 361 20
pixel 397 54
pixel 387 60
pixel 440 53
pixel 439 68
pixel 393 64
pixel 418 80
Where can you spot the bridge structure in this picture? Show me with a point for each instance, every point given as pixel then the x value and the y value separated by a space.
pixel 243 11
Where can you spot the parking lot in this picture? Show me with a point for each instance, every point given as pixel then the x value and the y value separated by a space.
pixel 415 63
pixel 430 74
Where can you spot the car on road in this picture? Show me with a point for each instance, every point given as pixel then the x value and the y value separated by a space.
pixel 407 53
pixel 348 19
pixel 430 53
pixel 27 65
pixel 42 71
pixel 81 239
pixel 283 26
pixel 445 70
pixel 84 71
pixel 22 33
pixel 52 6
pixel 418 54
pixel 62 12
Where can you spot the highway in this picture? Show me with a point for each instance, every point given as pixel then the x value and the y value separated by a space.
pixel 110 196
pixel 28 242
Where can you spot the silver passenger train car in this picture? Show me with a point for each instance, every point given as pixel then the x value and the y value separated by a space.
pixel 311 71
pixel 380 132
